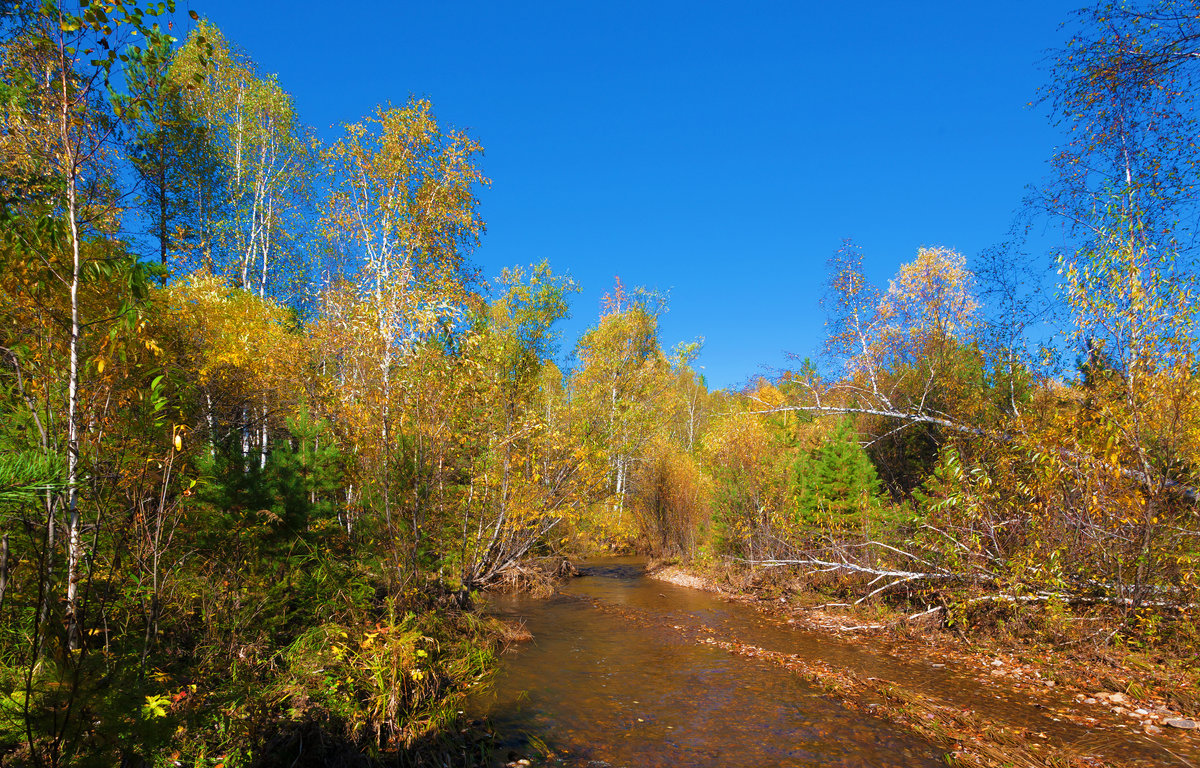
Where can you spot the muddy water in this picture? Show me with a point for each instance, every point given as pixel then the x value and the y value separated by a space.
pixel 614 676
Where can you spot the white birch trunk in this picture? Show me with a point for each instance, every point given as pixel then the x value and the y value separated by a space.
pixel 262 448
pixel 74 543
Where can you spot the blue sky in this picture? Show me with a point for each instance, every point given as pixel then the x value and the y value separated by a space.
pixel 720 152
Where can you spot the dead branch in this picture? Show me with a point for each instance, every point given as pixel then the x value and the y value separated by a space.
pixel 1042 597
pixel 879 573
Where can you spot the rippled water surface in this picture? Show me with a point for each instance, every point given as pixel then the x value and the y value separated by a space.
pixel 614 675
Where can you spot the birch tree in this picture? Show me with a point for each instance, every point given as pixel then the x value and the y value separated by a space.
pixel 621 375
pixel 1123 90
pixel 403 208
pixel 71 58
pixel 248 170
pixel 527 472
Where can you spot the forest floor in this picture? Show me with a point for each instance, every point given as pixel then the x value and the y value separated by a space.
pixel 1092 703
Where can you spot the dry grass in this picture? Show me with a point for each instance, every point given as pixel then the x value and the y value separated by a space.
pixel 514 632
pixel 538 577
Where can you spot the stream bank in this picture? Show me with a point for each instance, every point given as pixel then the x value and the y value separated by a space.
pixel 987 705
pixel 627 670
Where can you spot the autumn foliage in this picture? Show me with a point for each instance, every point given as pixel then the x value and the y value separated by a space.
pixel 258 458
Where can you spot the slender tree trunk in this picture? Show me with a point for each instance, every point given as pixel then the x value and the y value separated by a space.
pixel 245 438
pixel 3 569
pixel 262 448
pixel 74 543
pixel 212 424
pixel 385 369
pixel 266 245
pixel 162 193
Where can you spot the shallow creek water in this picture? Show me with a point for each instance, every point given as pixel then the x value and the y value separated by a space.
pixel 609 679
pixel 615 676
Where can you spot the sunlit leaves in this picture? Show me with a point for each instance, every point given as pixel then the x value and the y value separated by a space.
pixel 1123 89
pixel 245 164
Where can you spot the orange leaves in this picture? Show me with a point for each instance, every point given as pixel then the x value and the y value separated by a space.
pixel 765 396
pixel 929 301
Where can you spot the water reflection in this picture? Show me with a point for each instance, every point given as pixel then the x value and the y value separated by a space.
pixel 627 688
pixel 614 674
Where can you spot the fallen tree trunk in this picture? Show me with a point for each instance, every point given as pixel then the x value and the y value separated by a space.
pixel 899 577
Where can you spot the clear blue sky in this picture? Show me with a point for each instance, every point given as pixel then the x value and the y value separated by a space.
pixel 718 151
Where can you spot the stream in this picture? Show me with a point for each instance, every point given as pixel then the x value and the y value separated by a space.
pixel 615 676
pixel 609 679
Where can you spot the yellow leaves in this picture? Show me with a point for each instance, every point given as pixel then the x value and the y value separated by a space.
pixel 930 300
pixel 156 706
pixel 1128 296
pixel 233 336
pixel 406 193
pixel 766 396
pixel 931 295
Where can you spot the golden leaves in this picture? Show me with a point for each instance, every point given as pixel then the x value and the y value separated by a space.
pixel 931 296
pixel 930 300
pixel 233 335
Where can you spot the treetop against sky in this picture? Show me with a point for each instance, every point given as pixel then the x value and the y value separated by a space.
pixel 719 153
